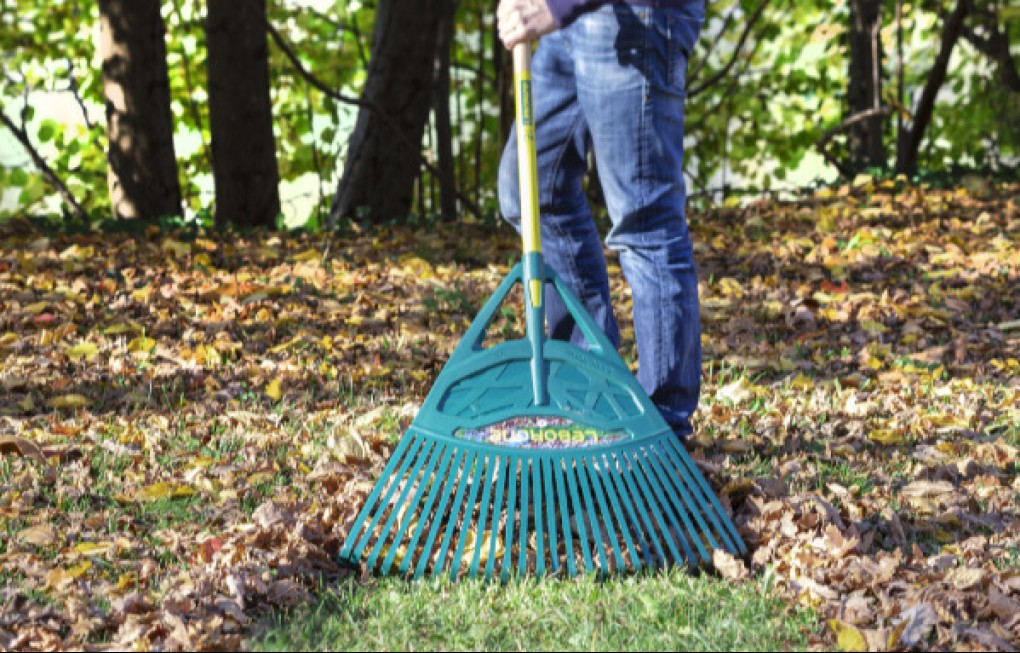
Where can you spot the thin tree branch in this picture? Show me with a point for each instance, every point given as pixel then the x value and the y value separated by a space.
pixel 196 115
pixel 692 91
pixel 73 89
pixel 43 167
pixel 696 71
pixel 861 116
pixel 906 157
pixel 358 102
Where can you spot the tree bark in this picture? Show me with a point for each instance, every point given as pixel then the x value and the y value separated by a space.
pixel 142 173
pixel 867 148
pixel 906 157
pixel 241 115
pixel 441 106
pixel 383 156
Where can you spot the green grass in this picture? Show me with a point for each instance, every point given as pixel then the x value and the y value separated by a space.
pixel 670 611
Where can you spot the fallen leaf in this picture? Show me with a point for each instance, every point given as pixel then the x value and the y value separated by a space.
pixel 141 344
pixel 23 447
pixel 83 350
pixel 927 489
pixel 70 401
pixel 164 490
pixel 42 535
pixel 848 638
pixel 736 392
pixel 917 622
pixel 728 566
pixel 273 390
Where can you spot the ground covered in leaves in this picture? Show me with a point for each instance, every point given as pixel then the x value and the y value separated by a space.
pixel 188 424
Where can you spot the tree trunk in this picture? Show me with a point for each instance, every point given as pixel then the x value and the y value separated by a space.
pixel 142 173
pixel 867 149
pixel 906 157
pixel 384 153
pixel 441 106
pixel 241 114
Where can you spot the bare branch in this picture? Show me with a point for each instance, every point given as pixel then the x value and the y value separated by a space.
pixel 748 26
pixel 358 102
pixel 952 28
pixel 693 74
pixel 41 164
pixel 73 89
pixel 861 116
pixel 196 115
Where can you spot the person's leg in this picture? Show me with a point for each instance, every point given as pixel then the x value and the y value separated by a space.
pixel 571 243
pixel 629 66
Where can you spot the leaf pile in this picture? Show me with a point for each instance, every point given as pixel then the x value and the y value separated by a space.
pixel 189 424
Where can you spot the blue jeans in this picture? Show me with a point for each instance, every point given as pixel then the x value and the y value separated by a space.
pixel 613 81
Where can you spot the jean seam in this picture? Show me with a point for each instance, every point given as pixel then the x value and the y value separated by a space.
pixel 552 224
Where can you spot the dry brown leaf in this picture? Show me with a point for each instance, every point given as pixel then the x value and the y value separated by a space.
pixel 917 622
pixel 42 535
pixel 728 566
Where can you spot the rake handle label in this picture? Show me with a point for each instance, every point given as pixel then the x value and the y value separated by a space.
pixel 546 435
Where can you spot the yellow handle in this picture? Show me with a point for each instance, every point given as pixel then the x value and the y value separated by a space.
pixel 527 165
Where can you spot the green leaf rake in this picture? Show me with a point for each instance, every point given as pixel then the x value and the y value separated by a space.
pixel 536 454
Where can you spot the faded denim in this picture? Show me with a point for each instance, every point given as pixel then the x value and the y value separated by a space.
pixel 614 81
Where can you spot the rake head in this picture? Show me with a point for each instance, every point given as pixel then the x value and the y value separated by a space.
pixel 490 481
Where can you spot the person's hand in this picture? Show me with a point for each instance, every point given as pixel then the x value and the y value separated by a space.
pixel 523 20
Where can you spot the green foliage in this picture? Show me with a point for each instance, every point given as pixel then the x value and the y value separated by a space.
pixel 775 93
pixel 52 88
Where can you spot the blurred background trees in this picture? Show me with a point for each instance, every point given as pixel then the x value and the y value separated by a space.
pixel 313 112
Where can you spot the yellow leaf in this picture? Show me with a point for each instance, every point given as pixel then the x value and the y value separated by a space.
pixel 141 344
pixel 74 252
pixel 175 248
pixel 887 437
pixel 126 581
pixel 287 345
pixel 118 329
pixel 307 255
pixel 471 544
pixel 8 338
pixel 69 401
pixel 202 259
pixel 37 307
pixel 83 350
pixel 93 548
pixel 730 287
pixel 874 363
pixel 27 404
pixel 848 638
pixel 874 328
pixel 273 390
pixel 863 180
pixel 163 490
pixel 802 382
